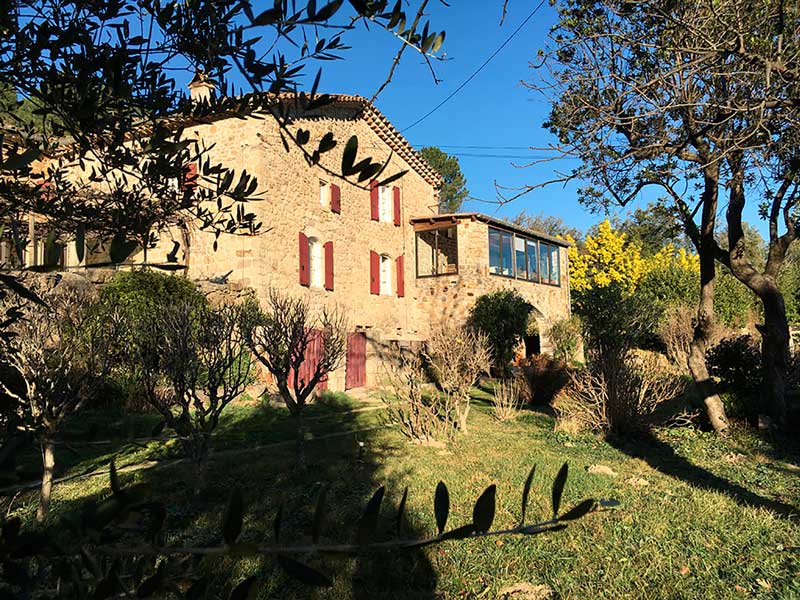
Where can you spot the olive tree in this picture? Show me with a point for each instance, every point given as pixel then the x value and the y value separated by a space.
pixel 41 377
pixel 700 101
pixel 298 345
pixel 193 363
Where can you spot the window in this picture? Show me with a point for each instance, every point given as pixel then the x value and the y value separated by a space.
pixel 533 263
pixel 386 275
pixel 385 204
pixel 437 252
pixel 324 193
pixel 555 267
pixel 501 259
pixel 521 257
pixel 513 255
pixel 316 267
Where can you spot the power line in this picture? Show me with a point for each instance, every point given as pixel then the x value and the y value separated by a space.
pixel 475 147
pixel 478 70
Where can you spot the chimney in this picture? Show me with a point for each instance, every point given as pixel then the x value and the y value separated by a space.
pixel 201 89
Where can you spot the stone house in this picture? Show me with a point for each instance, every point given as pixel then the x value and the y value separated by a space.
pixel 383 255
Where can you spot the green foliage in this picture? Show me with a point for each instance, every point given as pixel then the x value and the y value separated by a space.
pixel 140 297
pixel 565 335
pixel 653 227
pixel 503 318
pixel 733 302
pixel 454 185
pixel 614 318
pixel 670 284
pixel 737 363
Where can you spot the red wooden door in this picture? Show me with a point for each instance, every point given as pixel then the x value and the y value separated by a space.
pixel 356 361
pixel 312 357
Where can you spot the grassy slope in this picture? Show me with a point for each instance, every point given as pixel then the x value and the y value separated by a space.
pixel 688 534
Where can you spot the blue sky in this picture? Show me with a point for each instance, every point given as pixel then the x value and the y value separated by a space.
pixel 494 111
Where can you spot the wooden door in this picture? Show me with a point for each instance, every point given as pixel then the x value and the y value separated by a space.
pixel 356 361
pixel 312 357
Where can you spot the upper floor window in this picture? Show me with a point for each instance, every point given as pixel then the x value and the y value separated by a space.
pixel 386 275
pixel 517 256
pixel 385 204
pixel 501 258
pixel 324 193
pixel 437 252
pixel 315 263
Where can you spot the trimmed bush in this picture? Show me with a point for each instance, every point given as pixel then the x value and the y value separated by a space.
pixel 503 318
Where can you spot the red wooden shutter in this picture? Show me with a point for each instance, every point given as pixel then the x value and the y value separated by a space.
pixel 374 273
pixel 305 275
pixel 189 181
pixel 399 265
pixel 336 199
pixel 374 193
pixel 328 265
pixel 396 197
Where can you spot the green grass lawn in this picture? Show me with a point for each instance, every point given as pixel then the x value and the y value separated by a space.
pixel 712 521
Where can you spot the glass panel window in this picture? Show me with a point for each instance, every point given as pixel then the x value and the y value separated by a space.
pixel 507 255
pixel 494 252
pixel 555 269
pixel 544 270
pixel 519 253
pixel 533 261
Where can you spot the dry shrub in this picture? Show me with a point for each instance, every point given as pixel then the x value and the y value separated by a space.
pixel 622 404
pixel 416 413
pixel 457 356
pixel 676 329
pixel 506 400
pixel 543 377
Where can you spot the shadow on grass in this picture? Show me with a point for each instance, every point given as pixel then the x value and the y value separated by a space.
pixel 662 457
pixel 256 453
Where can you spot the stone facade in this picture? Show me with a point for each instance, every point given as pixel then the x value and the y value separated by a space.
pixel 451 296
pixel 293 202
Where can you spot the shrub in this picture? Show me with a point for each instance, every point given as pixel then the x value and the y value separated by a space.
pixel 565 335
pixel 129 302
pixel 620 404
pixel 194 363
pixel 420 416
pixel 503 318
pixel 736 362
pixel 543 377
pixel 676 330
pixel 506 400
pixel 457 356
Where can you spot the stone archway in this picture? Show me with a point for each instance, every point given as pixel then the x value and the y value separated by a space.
pixel 536 339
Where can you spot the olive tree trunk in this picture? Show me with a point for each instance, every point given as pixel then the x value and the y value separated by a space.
pixel 49 464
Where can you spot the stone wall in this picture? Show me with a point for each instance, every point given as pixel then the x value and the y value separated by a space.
pixel 289 191
pixel 450 297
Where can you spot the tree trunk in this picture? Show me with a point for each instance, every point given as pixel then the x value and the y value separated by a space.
pixel 700 342
pixel 774 354
pixel 49 464
pixel 301 440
